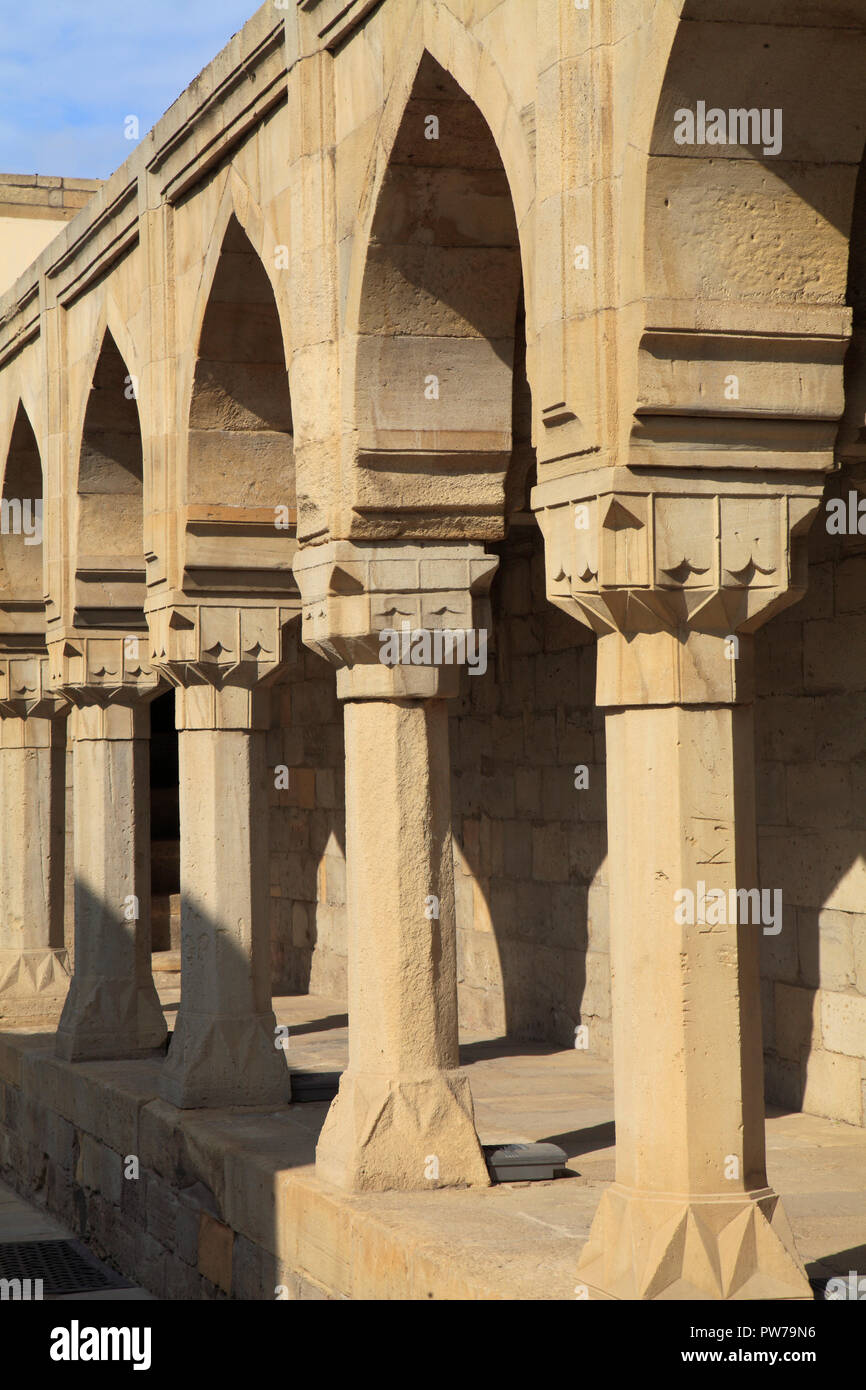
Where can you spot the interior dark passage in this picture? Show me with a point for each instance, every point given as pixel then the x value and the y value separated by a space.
pixel 164 826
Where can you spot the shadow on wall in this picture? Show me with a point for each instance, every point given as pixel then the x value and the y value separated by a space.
pixel 307 824
pixel 530 844
pixel 810 730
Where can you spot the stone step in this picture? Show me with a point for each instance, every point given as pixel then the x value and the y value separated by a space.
pixel 165 922
pixel 165 962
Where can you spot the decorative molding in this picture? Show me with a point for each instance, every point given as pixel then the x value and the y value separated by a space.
pixel 625 557
pixel 353 592
pixel 220 644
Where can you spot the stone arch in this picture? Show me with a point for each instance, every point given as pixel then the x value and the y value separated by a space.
pixel 109 547
pixel 733 220
pixel 240 449
pixel 441 36
pixel 22 580
pixel 436 319
pixel 644 96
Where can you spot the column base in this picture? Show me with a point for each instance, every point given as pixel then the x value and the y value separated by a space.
pixel 223 1061
pixel 109 1020
pixel 401 1133
pixel 33 986
pixel 645 1246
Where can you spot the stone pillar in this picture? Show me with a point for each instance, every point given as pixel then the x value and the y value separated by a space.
pixel 224 1050
pixel 34 966
pixel 112 1010
pixel 691 1212
pixel 674 587
pixel 403 1117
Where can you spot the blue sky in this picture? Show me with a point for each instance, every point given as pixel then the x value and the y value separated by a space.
pixel 71 71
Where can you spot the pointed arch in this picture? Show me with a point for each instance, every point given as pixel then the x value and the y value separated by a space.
pixel 734 209
pixel 235 202
pixel 22 582
pixel 109 544
pixel 440 35
pixel 240 447
pixel 438 316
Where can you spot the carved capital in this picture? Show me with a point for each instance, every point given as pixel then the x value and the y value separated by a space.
pixel 25 688
pixel 674 575
pixel 102 669
pixel 354 593
pixel 632 557
pixel 220 644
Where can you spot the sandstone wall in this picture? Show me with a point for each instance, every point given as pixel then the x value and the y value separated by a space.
pixel 33 209
pixel 529 853
pixel 811 749
pixel 307 831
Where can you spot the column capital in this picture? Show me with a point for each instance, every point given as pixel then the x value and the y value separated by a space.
pixel 355 594
pixel 221 656
pixel 674 574
pixel 102 669
pixel 25 688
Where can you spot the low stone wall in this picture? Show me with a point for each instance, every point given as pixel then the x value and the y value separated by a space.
pixel 226 1203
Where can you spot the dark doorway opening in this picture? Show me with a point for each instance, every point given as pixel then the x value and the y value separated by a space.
pixel 164 826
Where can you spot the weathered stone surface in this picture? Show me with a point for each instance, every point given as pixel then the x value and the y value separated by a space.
pixel 348 315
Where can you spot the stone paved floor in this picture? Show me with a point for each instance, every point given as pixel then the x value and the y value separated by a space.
pixel 537 1092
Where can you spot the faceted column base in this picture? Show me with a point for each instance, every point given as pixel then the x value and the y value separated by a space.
pixel 401 1133
pixel 107 1020
pixel 644 1246
pixel 33 986
pixel 219 1061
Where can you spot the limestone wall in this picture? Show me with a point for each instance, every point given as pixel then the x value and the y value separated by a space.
pixel 33 209
pixel 811 749
pixel 529 853
pixel 307 831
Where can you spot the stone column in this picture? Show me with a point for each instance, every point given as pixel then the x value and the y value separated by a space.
pixel 224 1049
pixel 403 1117
pixel 34 966
pixel 112 1010
pixel 674 587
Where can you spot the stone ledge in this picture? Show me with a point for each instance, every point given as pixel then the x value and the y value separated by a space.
pixel 236 1193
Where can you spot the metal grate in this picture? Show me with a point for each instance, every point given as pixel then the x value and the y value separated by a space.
pixel 64 1266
